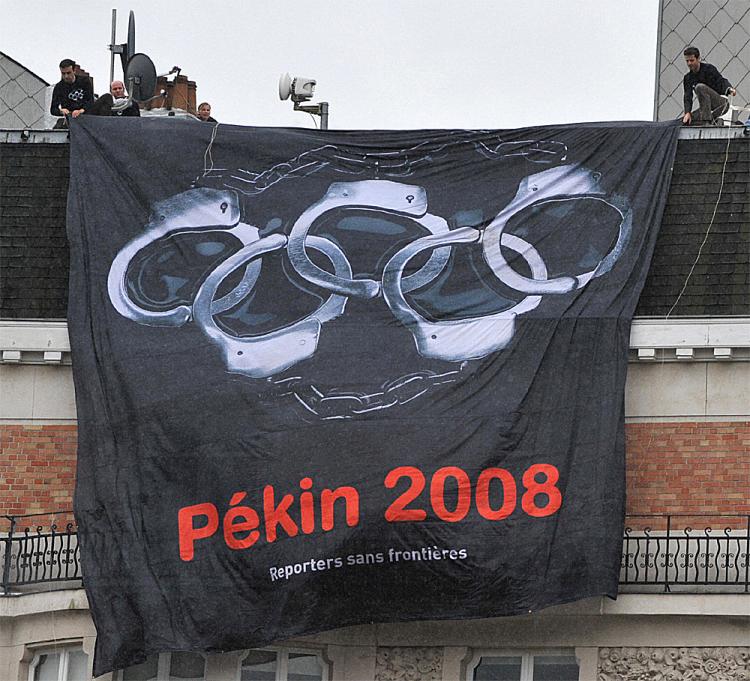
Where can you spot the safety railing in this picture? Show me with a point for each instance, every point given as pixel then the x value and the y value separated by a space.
pixel 666 553
pixel 38 548
pixel 686 553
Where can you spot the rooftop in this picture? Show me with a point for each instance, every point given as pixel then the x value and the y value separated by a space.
pixel 701 265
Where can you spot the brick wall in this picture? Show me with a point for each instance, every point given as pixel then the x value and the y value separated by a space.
pixel 37 468
pixel 672 468
pixel 688 468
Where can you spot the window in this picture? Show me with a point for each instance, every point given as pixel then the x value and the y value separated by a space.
pixel 60 664
pixel 167 667
pixel 524 666
pixel 283 665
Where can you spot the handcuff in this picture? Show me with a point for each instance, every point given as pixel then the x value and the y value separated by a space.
pixel 262 356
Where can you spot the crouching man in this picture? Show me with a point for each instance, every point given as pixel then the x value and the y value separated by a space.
pixel 708 84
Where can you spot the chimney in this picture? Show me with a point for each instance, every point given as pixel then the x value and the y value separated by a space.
pixel 80 71
pixel 180 94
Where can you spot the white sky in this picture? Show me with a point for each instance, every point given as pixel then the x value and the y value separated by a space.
pixel 379 63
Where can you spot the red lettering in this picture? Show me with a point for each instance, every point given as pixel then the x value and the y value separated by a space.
pixel 307 509
pixel 547 487
pixel 437 494
pixel 397 511
pixel 483 493
pixel 277 515
pixel 351 506
pixel 188 532
pixel 250 524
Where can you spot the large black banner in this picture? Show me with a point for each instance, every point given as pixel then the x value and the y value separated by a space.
pixel 327 378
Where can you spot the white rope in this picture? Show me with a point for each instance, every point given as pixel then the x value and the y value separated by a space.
pixel 207 154
pixel 708 231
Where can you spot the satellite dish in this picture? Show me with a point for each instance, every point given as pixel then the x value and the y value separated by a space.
pixel 140 77
pixel 285 86
pixel 127 49
pixel 130 45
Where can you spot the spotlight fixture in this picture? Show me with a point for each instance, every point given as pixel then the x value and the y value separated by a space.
pixel 302 90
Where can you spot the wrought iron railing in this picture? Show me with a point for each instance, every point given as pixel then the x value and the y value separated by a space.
pixel 674 553
pixel 686 553
pixel 38 548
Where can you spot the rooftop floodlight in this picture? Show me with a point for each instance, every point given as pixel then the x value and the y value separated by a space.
pixel 301 90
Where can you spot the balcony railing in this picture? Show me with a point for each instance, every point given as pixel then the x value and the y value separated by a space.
pixel 39 548
pixel 674 553
pixel 686 553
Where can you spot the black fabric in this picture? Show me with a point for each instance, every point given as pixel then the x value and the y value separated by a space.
pixel 72 96
pixel 707 74
pixel 412 408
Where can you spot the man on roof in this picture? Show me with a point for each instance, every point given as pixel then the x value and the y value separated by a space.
pixel 73 94
pixel 119 98
pixel 115 102
pixel 709 85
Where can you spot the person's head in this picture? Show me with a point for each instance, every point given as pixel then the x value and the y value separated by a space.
pixel 692 58
pixel 67 70
pixel 204 111
pixel 117 89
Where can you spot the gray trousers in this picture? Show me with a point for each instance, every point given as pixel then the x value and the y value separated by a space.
pixel 711 104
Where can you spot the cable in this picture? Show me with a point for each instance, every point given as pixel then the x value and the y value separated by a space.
pixel 708 231
pixel 314 121
pixel 207 154
pixel 663 360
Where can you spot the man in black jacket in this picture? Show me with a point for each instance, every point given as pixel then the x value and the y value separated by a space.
pixel 115 103
pixel 708 85
pixel 73 94
pixel 119 97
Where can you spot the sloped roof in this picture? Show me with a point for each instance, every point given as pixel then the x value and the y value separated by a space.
pixel 34 251
pixel 22 95
pixel 717 282
pixel 21 66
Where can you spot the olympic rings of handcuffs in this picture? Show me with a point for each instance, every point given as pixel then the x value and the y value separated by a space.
pixel 262 356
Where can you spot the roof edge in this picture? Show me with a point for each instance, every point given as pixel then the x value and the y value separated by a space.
pixel 25 68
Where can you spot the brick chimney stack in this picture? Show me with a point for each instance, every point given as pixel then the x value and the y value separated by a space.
pixel 80 71
pixel 180 94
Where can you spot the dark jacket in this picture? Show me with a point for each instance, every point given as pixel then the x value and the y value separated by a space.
pixel 76 95
pixel 103 107
pixel 132 110
pixel 707 74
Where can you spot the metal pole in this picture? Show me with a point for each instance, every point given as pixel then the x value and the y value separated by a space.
pixel 324 115
pixel 666 560
pixel 112 48
pixel 8 549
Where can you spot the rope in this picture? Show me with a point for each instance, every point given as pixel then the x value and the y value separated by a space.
pixel 207 154
pixel 708 231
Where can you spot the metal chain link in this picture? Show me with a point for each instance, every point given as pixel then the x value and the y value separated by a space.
pixel 350 162
pixel 338 404
pixel 401 163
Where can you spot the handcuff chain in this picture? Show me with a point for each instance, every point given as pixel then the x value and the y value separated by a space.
pixel 338 404
pixel 398 164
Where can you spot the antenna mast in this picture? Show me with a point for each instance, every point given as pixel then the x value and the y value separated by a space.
pixel 112 46
pixel 127 49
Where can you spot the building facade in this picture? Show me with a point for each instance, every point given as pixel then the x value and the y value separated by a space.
pixel 684 608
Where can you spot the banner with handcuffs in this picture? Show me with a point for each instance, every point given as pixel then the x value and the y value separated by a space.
pixel 382 371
